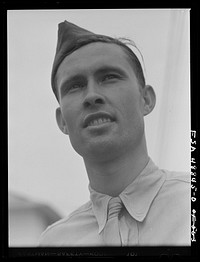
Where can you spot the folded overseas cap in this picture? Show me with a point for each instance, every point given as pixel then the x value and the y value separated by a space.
pixel 70 38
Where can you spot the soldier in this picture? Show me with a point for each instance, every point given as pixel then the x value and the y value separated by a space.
pixel 100 87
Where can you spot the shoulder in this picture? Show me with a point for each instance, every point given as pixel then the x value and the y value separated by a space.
pixel 178 180
pixel 55 232
pixel 177 187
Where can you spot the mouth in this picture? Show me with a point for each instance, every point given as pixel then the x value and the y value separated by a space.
pixel 98 119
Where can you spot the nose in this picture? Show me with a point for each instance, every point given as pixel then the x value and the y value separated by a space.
pixel 93 96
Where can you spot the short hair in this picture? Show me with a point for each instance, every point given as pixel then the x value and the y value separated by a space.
pixel 123 43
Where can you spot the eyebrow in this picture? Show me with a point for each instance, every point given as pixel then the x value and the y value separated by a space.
pixel 105 69
pixel 98 72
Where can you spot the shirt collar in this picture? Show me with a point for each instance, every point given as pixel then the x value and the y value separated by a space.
pixel 136 197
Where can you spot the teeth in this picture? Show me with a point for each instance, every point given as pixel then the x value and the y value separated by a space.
pixel 99 121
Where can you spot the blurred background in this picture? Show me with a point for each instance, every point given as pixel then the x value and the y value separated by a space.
pixel 47 179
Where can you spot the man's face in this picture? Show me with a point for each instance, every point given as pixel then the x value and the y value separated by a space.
pixel 101 105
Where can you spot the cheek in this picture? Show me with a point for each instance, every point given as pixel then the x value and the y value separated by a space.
pixel 70 115
pixel 131 105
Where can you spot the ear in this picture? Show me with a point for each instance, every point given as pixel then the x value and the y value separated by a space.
pixel 149 98
pixel 61 122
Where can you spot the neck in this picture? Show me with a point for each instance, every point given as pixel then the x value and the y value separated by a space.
pixel 113 176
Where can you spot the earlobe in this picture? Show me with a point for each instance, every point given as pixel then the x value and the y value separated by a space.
pixel 60 121
pixel 149 97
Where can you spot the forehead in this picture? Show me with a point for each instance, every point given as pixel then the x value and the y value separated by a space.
pixel 91 56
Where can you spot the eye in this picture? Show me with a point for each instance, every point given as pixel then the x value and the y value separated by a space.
pixel 110 77
pixel 76 86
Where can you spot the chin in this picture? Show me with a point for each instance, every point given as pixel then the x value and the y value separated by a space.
pixel 107 147
pixel 101 149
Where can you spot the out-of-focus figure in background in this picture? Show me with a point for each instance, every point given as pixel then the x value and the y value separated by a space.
pixel 27 220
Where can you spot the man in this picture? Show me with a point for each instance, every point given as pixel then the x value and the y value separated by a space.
pixel 99 84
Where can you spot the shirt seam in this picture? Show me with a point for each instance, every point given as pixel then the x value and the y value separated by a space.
pixel 178 179
pixel 169 176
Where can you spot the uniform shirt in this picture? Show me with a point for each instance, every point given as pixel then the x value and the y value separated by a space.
pixel 156 211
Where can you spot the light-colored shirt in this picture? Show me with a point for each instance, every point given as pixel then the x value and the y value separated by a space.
pixel 156 212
